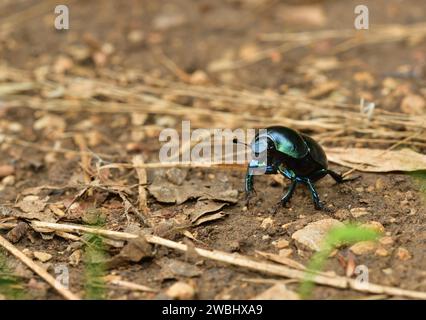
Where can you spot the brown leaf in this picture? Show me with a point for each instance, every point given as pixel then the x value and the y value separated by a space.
pixel 351 265
pixel 376 160
pixel 203 207
pixel 134 251
pixel 45 215
pixel 32 204
pixel 18 232
pixel 209 218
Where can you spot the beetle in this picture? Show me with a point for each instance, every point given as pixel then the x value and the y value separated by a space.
pixel 295 155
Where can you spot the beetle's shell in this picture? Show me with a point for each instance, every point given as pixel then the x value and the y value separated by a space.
pixel 303 154
pixel 316 152
pixel 288 141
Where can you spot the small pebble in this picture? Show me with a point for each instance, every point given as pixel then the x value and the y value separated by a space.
pixel 181 291
pixel 8 181
pixel 381 252
pixel 359 212
pixel 386 241
pixel 282 243
pixel 403 254
pixel 375 226
pixel 42 256
pixel 363 247
pixel 387 271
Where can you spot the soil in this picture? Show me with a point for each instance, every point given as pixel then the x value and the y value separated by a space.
pixel 202 32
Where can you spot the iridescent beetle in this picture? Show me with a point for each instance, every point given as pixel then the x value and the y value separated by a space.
pixel 295 155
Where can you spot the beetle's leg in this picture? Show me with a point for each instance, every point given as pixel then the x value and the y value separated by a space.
pixel 249 182
pixel 286 198
pixel 314 193
pixel 321 173
pixel 287 173
pixel 336 176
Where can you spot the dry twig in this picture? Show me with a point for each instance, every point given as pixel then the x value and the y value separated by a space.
pixel 242 261
pixel 66 293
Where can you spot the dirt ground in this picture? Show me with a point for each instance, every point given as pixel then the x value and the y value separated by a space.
pixel 187 41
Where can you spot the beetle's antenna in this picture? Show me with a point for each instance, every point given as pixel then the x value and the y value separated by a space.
pixel 235 141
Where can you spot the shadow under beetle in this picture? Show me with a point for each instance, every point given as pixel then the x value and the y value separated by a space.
pixel 295 155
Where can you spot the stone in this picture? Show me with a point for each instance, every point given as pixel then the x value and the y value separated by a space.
pixel 375 226
pixel 381 252
pixel 181 291
pixel 277 292
pixel 363 247
pixel 359 212
pixel 403 254
pixel 386 241
pixel 267 222
pixel 413 104
pixel 42 256
pixel 313 235
pixel 75 258
pixel 281 244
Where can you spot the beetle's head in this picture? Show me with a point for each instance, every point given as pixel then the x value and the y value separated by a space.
pixel 264 151
pixel 264 154
pixel 262 145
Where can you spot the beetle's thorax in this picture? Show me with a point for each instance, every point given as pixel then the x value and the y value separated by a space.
pixel 302 167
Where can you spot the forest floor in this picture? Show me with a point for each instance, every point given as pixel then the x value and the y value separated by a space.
pixel 100 93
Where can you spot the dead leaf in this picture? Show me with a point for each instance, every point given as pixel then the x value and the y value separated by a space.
pixel 45 215
pixel 351 265
pixel 134 251
pixel 203 207
pixel 209 218
pixel 376 160
pixel 17 232
pixel 32 204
